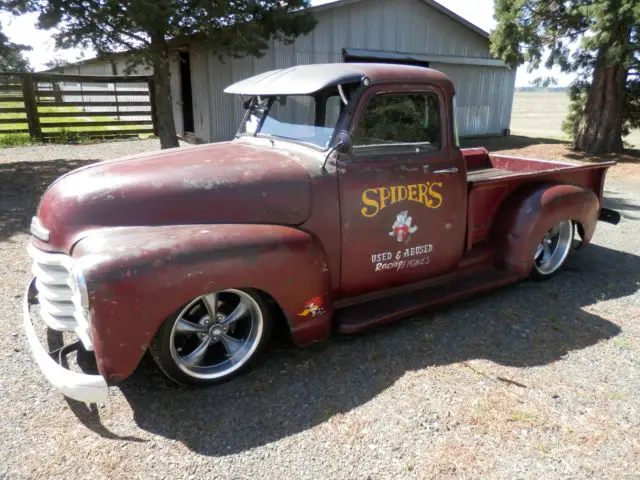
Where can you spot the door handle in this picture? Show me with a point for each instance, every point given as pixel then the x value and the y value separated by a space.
pixel 448 171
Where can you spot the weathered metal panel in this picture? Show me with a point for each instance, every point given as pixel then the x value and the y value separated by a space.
pixel 508 87
pixel 98 68
pixel 484 97
pixel 341 25
pixel 322 36
pixel 221 105
pixel 200 91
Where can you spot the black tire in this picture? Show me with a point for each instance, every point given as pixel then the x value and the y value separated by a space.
pixel 553 251
pixel 174 364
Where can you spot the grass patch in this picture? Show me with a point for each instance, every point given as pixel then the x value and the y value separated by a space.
pixel 622 342
pixel 542 449
pixel 518 416
pixel 67 134
pixel 15 140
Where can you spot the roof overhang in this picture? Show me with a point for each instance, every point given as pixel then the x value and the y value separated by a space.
pixel 296 80
pixel 358 53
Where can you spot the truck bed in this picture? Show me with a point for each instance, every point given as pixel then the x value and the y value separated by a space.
pixel 492 178
pixel 483 166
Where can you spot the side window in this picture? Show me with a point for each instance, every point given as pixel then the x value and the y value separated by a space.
pixel 332 112
pixel 400 123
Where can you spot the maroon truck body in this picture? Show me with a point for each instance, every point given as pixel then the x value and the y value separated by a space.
pixel 151 232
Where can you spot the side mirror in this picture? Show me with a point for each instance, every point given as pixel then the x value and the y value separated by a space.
pixel 343 142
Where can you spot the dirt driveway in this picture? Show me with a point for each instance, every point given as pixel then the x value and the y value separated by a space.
pixel 537 380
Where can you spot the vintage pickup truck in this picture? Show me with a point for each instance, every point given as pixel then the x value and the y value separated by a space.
pixel 343 202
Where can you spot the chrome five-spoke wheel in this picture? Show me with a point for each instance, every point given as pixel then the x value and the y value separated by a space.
pixel 213 337
pixel 553 250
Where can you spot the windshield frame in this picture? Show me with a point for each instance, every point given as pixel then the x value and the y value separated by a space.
pixel 317 97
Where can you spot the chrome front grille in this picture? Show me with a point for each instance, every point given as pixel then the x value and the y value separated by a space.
pixel 60 304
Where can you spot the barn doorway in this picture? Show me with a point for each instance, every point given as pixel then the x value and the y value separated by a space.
pixel 372 56
pixel 187 97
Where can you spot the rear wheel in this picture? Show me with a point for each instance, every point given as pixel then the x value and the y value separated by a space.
pixel 553 250
pixel 213 338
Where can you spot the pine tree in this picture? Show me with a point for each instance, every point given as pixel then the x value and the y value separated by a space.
pixel 599 40
pixel 148 28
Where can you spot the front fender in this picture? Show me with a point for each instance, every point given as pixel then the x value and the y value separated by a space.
pixel 529 214
pixel 138 276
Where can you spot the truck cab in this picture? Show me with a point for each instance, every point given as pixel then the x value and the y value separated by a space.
pixel 390 184
pixel 344 202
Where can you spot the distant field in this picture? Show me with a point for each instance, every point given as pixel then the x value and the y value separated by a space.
pixel 540 114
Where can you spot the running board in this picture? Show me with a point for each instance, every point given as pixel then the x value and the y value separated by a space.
pixel 356 318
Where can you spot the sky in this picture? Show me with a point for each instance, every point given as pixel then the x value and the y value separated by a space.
pixel 22 30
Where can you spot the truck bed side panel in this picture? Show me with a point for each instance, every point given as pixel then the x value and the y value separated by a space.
pixel 486 197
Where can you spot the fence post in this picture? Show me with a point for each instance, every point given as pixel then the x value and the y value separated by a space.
pixel 30 105
pixel 152 99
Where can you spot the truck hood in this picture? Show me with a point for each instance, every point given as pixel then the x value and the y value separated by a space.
pixel 219 183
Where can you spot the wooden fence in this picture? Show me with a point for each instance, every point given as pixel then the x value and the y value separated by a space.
pixel 47 105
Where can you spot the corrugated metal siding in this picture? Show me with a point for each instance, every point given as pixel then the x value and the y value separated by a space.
pixel 408 26
pixel 484 97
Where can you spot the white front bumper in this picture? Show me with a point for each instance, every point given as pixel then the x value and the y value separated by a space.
pixel 79 386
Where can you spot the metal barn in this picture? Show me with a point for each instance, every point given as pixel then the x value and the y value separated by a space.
pixel 403 31
pixel 420 32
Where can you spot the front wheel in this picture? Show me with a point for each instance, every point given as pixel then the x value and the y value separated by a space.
pixel 553 250
pixel 213 338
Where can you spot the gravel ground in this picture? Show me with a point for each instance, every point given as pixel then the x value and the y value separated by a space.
pixel 536 380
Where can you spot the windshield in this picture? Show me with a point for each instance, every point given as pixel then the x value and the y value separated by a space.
pixel 295 117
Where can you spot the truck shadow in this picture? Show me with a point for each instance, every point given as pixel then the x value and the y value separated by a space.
pixel 21 186
pixel 620 202
pixel 525 325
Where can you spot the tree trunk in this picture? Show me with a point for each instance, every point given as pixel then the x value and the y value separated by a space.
pixel 600 129
pixel 162 95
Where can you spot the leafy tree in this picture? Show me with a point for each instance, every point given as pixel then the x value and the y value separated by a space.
pixel 11 57
pixel 543 82
pixel 597 39
pixel 148 28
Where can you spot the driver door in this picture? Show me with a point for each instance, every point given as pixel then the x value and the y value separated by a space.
pixel 402 197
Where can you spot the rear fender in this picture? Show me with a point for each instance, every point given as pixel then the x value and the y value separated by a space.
pixel 138 276
pixel 528 214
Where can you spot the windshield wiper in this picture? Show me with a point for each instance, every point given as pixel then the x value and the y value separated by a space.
pixel 265 113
